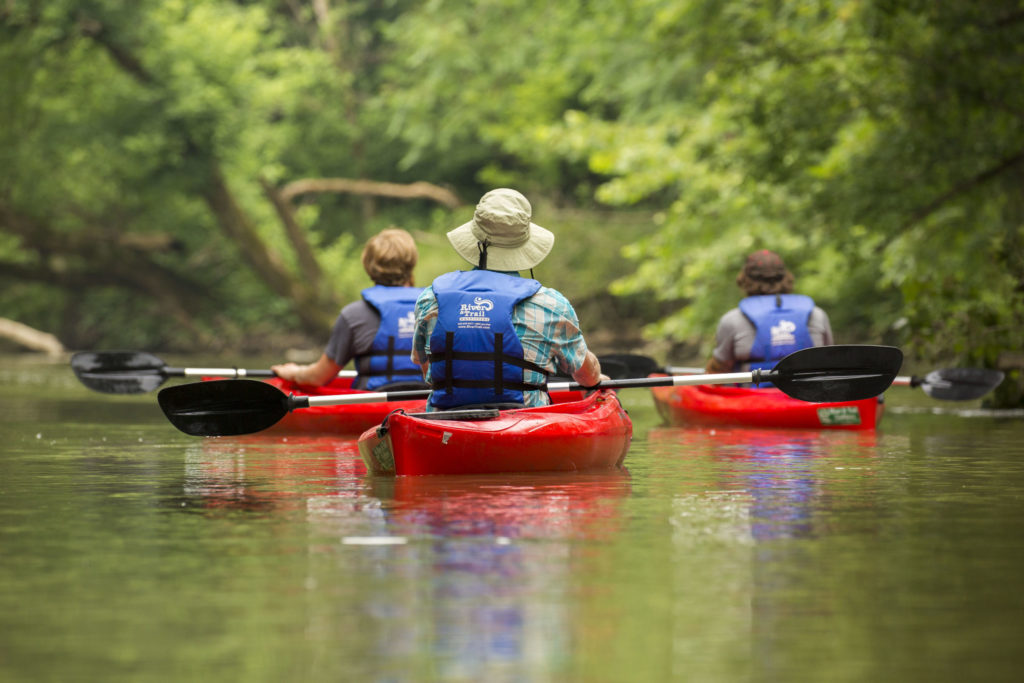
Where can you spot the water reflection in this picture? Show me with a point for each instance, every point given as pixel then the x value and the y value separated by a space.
pixel 495 563
pixel 475 572
pixel 737 531
pixel 263 472
pixel 781 473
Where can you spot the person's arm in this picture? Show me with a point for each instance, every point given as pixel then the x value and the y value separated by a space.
pixel 561 327
pixel 426 319
pixel 312 375
pixel 589 373
pixel 715 366
pixel 723 357
pixel 820 328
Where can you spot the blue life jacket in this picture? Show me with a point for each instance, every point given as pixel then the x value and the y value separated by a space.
pixel 475 355
pixel 781 323
pixel 388 359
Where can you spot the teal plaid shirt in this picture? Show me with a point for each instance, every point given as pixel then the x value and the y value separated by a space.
pixel 546 325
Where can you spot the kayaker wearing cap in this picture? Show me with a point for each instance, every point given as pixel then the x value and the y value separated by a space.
pixel 376 331
pixel 770 323
pixel 488 337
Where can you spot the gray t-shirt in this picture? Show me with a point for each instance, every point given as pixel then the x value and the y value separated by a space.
pixel 353 332
pixel 735 337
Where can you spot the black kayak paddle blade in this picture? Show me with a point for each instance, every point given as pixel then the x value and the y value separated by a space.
pixel 227 407
pixel 959 384
pixel 826 374
pixel 119 372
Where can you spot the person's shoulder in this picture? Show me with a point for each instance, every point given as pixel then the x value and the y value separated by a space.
pixel 819 313
pixel 356 308
pixel 426 296
pixel 549 297
pixel 733 314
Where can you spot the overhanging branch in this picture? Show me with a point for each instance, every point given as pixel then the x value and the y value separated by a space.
pixel 962 187
pixel 417 190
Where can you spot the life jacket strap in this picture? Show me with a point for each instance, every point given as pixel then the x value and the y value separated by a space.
pixel 442 385
pixel 390 370
pixel 447 355
pixel 449 342
pixel 498 383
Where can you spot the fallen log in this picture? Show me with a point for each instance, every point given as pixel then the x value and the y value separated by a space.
pixel 30 338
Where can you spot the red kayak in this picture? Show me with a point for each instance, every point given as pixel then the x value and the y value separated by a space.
pixel 766 407
pixel 588 434
pixel 355 418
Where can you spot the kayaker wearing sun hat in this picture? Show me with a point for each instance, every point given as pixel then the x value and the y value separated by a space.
pixel 487 336
pixel 770 323
pixel 376 330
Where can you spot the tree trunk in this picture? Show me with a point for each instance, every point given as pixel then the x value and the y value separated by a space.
pixel 236 224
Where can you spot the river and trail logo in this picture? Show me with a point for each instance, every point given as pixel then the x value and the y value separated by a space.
pixel 476 315
pixel 407 325
pixel 782 334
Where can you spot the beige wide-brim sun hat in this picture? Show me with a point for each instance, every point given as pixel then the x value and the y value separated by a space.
pixel 502 222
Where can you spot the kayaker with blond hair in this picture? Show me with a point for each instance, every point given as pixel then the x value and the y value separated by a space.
pixel 487 336
pixel 770 322
pixel 375 331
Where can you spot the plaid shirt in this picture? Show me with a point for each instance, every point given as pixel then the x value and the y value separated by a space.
pixel 546 325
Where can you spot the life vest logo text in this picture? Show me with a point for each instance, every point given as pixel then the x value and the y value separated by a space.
pixel 476 313
pixel 782 334
pixel 407 325
pixel 478 308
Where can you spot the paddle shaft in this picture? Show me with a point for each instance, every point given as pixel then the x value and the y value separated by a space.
pixel 676 380
pixel 902 381
pixel 241 406
pixel 231 373
pixel 139 372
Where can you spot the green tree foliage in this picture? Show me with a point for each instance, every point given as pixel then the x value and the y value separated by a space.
pixel 139 142
pixel 877 144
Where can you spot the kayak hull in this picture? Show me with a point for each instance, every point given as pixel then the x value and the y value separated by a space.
pixel 350 419
pixel 589 434
pixel 717 405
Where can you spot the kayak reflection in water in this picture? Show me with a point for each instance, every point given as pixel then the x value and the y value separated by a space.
pixel 770 322
pixel 468 321
pixel 375 331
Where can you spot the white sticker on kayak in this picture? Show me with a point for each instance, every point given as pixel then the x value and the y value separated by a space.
pixel 445 436
pixel 839 415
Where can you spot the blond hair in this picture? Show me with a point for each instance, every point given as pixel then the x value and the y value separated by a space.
pixel 389 257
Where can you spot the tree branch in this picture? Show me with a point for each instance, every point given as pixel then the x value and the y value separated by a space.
pixel 97 31
pixel 322 13
pixel 962 187
pixel 417 190
pixel 237 225
pixel 174 296
pixel 303 251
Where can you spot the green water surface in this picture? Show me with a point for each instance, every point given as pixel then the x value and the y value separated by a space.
pixel 131 552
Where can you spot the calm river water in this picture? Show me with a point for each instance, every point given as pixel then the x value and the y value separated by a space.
pixel 131 552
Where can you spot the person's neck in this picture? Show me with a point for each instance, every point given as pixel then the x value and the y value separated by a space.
pixel 514 273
